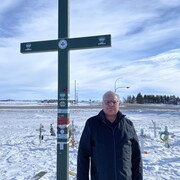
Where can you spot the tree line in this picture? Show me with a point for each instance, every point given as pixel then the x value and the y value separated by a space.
pixel 153 99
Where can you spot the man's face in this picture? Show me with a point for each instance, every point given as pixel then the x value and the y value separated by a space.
pixel 111 105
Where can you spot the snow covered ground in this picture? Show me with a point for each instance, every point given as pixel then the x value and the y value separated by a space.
pixel 22 156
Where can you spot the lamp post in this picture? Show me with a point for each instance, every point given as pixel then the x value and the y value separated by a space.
pixel 115 88
pixel 115 84
pixel 122 87
pixel 75 92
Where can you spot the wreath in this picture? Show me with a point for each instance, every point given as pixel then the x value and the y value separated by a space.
pixel 164 136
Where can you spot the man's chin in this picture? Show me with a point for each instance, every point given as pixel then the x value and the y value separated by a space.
pixel 112 112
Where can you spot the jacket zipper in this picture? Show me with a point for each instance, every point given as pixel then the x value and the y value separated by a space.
pixel 113 131
pixel 115 173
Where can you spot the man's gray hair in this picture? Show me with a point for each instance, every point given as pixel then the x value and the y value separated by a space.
pixel 110 93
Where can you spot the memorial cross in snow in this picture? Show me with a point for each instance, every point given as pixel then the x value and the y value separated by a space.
pixel 154 128
pixel 63 45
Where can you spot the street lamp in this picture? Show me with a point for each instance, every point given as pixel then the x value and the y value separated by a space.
pixel 115 88
pixel 75 92
pixel 122 87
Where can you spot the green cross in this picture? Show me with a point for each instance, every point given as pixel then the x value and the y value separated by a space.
pixel 63 45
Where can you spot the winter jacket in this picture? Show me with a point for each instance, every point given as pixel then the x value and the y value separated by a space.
pixel 110 150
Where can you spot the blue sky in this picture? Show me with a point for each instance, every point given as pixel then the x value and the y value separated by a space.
pixel 145 52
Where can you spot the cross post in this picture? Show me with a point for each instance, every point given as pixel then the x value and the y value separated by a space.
pixel 63 45
pixel 154 128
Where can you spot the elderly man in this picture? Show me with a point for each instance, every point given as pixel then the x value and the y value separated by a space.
pixel 109 145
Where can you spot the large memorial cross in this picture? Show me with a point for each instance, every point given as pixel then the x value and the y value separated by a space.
pixel 63 45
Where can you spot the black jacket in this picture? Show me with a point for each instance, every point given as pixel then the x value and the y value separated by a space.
pixel 111 151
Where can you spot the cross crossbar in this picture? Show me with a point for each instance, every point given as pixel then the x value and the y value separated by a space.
pixel 72 44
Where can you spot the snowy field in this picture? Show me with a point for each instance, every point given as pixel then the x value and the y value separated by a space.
pixel 22 156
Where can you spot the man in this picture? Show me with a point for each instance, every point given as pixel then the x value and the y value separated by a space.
pixel 109 145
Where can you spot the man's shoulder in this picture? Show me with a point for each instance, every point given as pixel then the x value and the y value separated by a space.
pixel 93 118
pixel 128 121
